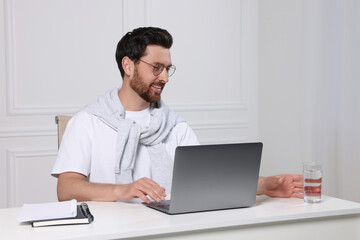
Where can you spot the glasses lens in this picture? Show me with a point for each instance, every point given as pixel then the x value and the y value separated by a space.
pixel 158 69
pixel 171 70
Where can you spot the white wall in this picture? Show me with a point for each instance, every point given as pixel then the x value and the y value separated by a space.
pixel 280 67
pixel 57 56
pixel 309 57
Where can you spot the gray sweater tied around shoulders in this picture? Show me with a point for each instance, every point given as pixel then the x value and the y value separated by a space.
pixel 109 109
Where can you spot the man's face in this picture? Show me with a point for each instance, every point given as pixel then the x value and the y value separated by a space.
pixel 144 82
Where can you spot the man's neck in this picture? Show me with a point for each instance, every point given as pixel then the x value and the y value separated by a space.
pixel 130 100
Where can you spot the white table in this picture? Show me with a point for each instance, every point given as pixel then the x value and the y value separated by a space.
pixel 270 218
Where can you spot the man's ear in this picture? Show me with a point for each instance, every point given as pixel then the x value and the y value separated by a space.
pixel 128 66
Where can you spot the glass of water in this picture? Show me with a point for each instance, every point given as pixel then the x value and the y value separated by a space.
pixel 312 177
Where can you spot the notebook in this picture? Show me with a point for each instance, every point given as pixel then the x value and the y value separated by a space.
pixel 55 213
pixel 83 216
pixel 213 177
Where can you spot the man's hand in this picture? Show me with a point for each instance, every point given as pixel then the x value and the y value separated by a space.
pixel 73 185
pixel 141 188
pixel 282 186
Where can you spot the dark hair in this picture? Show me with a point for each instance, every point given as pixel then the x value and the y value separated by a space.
pixel 133 44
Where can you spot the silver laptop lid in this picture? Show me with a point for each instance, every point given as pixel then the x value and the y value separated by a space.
pixel 212 177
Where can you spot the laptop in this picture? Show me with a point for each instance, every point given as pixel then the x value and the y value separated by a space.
pixel 213 177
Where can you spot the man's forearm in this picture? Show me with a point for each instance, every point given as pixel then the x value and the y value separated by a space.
pixel 260 187
pixel 71 186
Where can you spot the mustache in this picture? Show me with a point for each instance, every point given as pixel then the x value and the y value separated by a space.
pixel 158 83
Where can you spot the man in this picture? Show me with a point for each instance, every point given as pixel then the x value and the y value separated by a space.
pixel 122 146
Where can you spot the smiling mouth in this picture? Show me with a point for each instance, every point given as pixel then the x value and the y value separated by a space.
pixel 157 89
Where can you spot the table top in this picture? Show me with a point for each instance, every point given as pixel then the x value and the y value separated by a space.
pixel 123 220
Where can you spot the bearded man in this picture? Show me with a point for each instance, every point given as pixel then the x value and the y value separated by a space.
pixel 122 146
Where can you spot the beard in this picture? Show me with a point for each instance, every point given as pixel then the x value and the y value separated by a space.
pixel 144 90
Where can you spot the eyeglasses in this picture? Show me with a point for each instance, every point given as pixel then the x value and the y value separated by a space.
pixel 159 68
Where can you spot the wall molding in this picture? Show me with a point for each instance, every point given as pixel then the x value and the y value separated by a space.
pixel 55 110
pixel 11 155
pixel 51 131
pixel 14 109
pixel 236 109
pixel 147 13
pixel 231 106
pixel 27 132
pixel 222 140
pixel 9 56
pixel 218 125
pixel 125 25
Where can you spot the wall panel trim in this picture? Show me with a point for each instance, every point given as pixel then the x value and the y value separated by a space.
pixel 27 132
pixel 23 152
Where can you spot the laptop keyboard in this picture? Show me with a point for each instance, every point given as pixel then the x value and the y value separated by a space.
pixel 164 206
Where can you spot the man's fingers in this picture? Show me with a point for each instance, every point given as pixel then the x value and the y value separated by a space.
pixel 142 192
pixel 151 188
pixel 142 196
pixel 154 195
pixel 298 184
pixel 154 190
pixel 297 195
pixel 145 187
